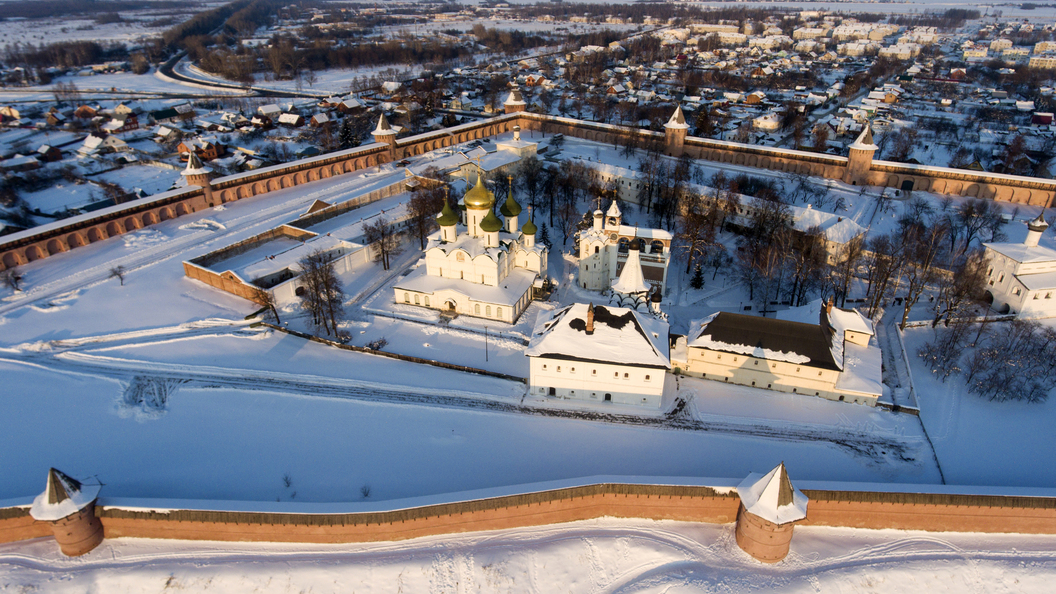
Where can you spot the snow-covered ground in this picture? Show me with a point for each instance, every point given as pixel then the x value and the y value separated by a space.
pixel 979 441
pixel 605 555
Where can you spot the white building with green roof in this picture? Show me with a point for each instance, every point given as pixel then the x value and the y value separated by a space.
pixel 478 264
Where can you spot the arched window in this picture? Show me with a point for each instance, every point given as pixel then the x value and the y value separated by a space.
pixel 416 300
pixel 476 309
pixel 498 312
pixel 460 257
pixel 406 298
pixel 596 248
pixel 427 301
pixel 487 311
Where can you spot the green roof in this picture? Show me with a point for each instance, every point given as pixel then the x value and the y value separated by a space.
pixel 510 208
pixel 491 223
pixel 529 228
pixel 447 216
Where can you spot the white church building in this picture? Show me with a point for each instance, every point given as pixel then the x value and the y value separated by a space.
pixel 1021 277
pixel 478 265
pixel 599 354
pixel 605 248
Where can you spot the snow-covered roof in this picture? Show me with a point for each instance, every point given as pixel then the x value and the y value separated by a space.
pixel 764 338
pixel 383 129
pixel 678 120
pixel 841 319
pixel 772 496
pixel 862 369
pixel 1023 253
pixel 614 210
pixel 631 279
pixel 514 98
pixel 621 336
pixel 865 140
pixel 195 166
pixel 643 232
pixel 62 497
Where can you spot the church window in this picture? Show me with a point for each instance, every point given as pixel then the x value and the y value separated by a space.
pixel 498 312
pixel 757 363
pixel 460 257
pixel 990 271
pixel 1001 277
pixel 626 376
pixel 596 249
pixel 573 370
pixel 487 311
pixel 544 366
pixel 476 308
pixel 593 372
pixel 559 369
pixel 427 301
pixel 406 298
pixel 647 377
pixel 416 300
pixel 616 374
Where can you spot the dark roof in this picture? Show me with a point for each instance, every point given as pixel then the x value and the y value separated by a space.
pixel 165 114
pixel 808 340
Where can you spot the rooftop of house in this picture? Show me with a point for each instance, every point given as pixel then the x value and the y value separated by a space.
pixel 620 336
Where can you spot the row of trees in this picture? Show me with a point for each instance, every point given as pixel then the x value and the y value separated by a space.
pixel 1015 360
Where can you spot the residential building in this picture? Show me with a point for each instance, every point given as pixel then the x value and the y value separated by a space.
pixel 1021 277
pixel 599 354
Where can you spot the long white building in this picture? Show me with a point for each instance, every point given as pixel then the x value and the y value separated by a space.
pixel 599 354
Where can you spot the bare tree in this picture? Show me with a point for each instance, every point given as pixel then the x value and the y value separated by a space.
pixel 847 259
pixel 323 296
pixel 264 299
pixel 923 248
pixel 427 200
pixel 960 290
pixel 119 273
pixel 697 229
pixel 384 239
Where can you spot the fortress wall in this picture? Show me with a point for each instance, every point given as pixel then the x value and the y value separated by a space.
pixel 33 244
pixel 854 509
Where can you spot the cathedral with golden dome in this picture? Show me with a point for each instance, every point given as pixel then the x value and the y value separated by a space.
pixel 478 264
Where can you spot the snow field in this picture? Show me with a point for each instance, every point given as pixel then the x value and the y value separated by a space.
pixel 604 555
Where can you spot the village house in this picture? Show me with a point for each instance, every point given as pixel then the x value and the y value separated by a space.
pixel 206 149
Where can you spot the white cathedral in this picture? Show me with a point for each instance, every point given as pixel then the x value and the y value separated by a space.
pixel 478 265
pixel 608 246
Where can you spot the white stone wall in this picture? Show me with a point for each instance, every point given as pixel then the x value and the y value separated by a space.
pixel 596 382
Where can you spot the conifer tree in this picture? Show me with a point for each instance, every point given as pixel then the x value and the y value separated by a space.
pixel 697 282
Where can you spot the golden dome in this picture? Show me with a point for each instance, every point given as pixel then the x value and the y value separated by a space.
pixel 479 197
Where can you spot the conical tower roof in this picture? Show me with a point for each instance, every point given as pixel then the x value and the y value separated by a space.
pixel 865 140
pixel 479 196
pixel 491 223
pixel 62 497
pixel 631 279
pixel 447 216
pixel 772 496
pixel 678 119
pixel 1039 224
pixel 195 166
pixel 383 127
pixel 514 98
